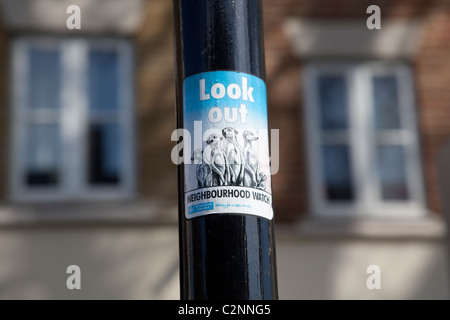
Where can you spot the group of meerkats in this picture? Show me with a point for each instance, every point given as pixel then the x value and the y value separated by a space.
pixel 227 163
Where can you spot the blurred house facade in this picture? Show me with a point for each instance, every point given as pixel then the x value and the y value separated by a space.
pixel 86 176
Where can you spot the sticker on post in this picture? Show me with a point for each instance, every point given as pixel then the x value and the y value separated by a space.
pixel 229 171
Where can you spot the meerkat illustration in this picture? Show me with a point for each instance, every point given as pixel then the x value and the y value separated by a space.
pixel 262 181
pixel 204 178
pixel 235 157
pixel 219 163
pixel 251 165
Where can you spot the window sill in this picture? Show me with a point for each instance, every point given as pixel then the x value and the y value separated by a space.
pixel 431 227
pixel 111 212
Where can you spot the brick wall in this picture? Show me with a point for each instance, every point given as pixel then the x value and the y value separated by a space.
pixel 155 93
pixel 432 76
pixel 4 113
pixel 155 100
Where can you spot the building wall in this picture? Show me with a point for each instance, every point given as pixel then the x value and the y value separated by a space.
pixel 4 112
pixel 139 259
pixel 155 103
pixel 285 93
pixel 155 98
pixel 432 80
pixel 138 262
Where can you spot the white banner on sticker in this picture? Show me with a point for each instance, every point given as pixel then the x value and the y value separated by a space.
pixel 228 200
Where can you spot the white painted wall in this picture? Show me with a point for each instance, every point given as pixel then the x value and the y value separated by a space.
pixel 141 262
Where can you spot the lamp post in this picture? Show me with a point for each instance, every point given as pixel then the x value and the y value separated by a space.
pixel 227 248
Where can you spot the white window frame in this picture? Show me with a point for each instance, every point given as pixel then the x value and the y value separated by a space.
pixel 73 119
pixel 367 202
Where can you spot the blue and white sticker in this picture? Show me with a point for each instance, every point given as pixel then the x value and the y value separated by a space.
pixel 226 114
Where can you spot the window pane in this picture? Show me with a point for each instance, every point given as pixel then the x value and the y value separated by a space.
pixel 44 80
pixel 392 172
pixel 103 80
pixel 104 154
pixel 43 155
pixel 385 96
pixel 337 173
pixel 333 102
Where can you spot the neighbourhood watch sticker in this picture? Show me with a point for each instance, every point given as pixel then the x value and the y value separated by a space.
pixel 226 114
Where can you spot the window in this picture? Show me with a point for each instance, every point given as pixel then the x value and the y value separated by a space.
pixel 363 148
pixel 72 119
